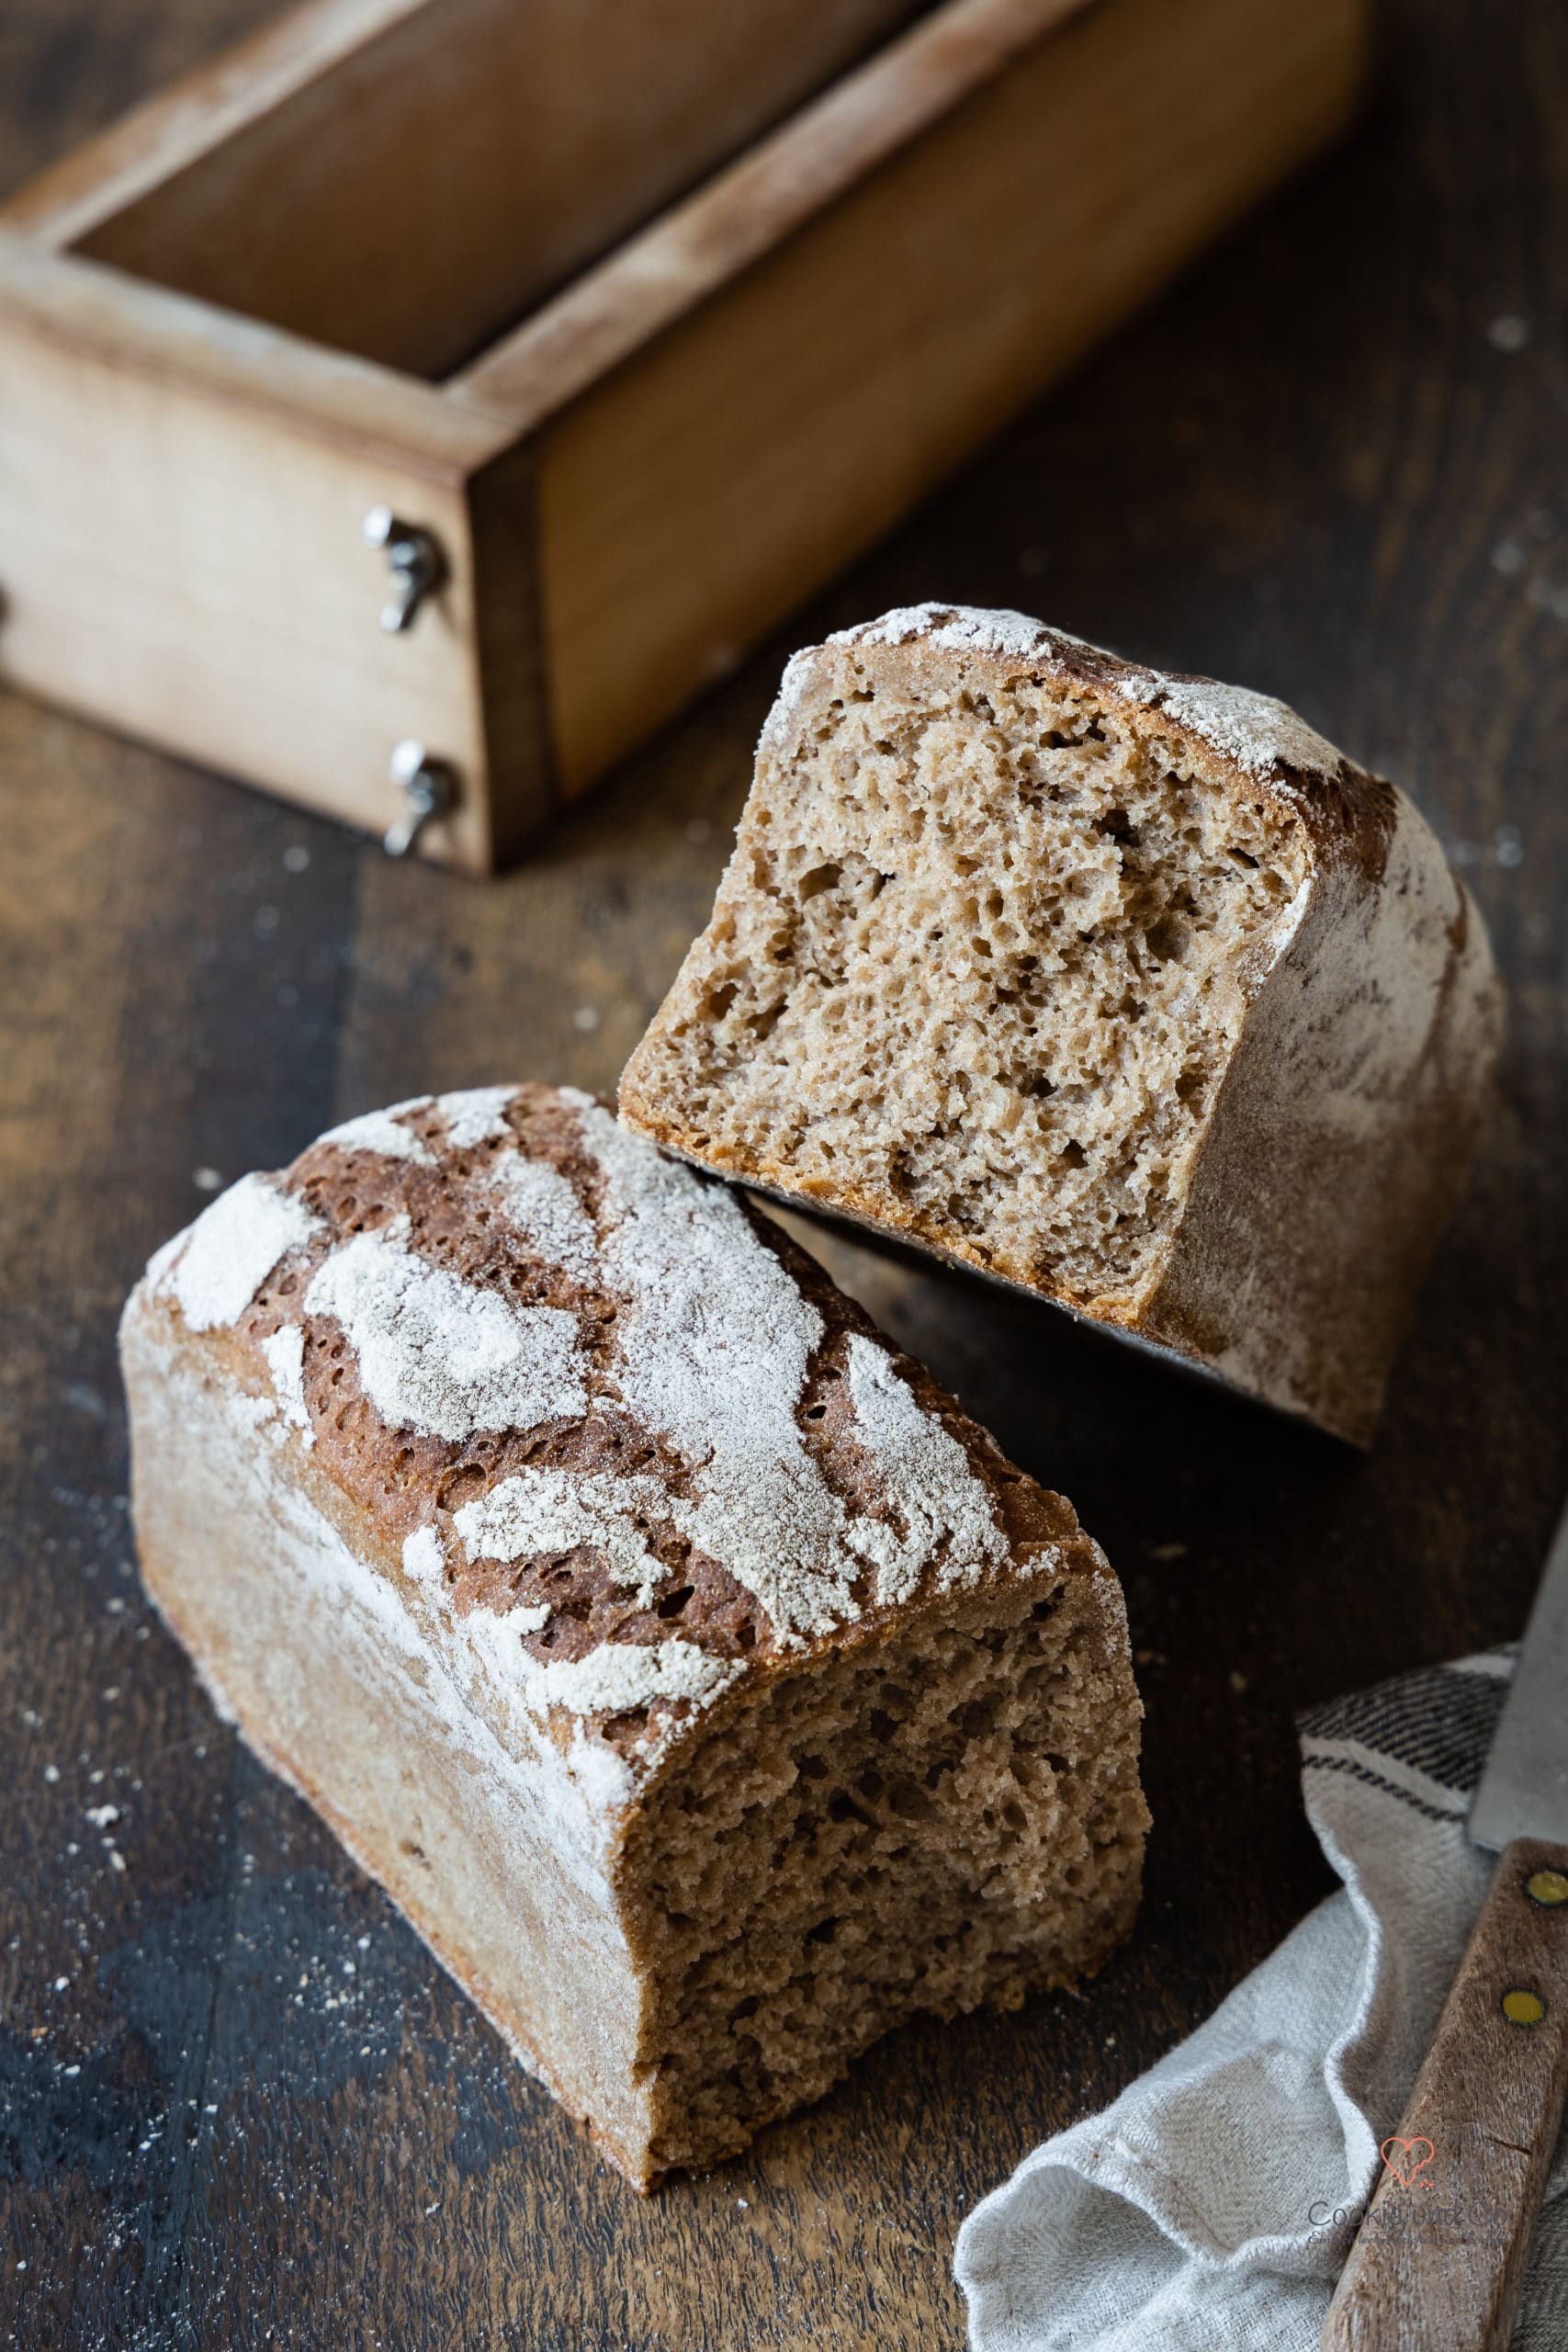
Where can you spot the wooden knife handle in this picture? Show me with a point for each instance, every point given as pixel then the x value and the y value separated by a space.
pixel 1440 2258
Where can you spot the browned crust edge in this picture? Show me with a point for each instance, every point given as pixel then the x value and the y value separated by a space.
pixel 1350 813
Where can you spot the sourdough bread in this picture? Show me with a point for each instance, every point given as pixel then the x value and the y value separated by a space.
pixel 704 1686
pixel 1124 988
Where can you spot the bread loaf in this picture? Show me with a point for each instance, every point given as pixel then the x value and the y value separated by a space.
pixel 708 1690
pixel 1126 989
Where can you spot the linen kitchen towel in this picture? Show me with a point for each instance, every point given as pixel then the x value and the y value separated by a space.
pixel 1212 2206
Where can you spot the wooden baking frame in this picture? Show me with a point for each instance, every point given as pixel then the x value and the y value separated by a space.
pixel 224 338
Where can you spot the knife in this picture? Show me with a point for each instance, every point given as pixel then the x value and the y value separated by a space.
pixel 1439 2260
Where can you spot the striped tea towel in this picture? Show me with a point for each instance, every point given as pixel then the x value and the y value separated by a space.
pixel 1212 2206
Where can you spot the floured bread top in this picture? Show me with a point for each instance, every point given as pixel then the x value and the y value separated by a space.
pixel 613 1424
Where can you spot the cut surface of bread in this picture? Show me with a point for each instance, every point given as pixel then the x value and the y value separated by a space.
pixel 708 1690
pixel 1129 989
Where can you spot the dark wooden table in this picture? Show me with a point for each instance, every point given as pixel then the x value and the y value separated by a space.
pixel 239 2104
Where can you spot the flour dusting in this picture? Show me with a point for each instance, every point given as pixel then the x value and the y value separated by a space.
pixel 1257 731
pixel 538 1201
pixel 543 1511
pixel 475 1115
pixel 958 628
pixel 611 1680
pixel 422 1556
pixel 440 1356
pixel 928 1477
pixel 715 1346
pixel 384 1132
pixel 714 1343
pixel 233 1247
pixel 284 1353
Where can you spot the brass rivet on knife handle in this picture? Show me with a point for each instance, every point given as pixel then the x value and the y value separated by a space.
pixel 1440 2258
pixel 1547 1886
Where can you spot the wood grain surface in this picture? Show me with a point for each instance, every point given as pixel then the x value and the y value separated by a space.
pixel 688 434
pixel 1439 2260
pixel 238 2104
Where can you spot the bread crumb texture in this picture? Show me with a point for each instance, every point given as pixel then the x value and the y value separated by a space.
pixel 1001 908
pixel 952 1820
pixel 983 957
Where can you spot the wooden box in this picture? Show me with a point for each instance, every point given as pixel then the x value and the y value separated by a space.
pixel 647 313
